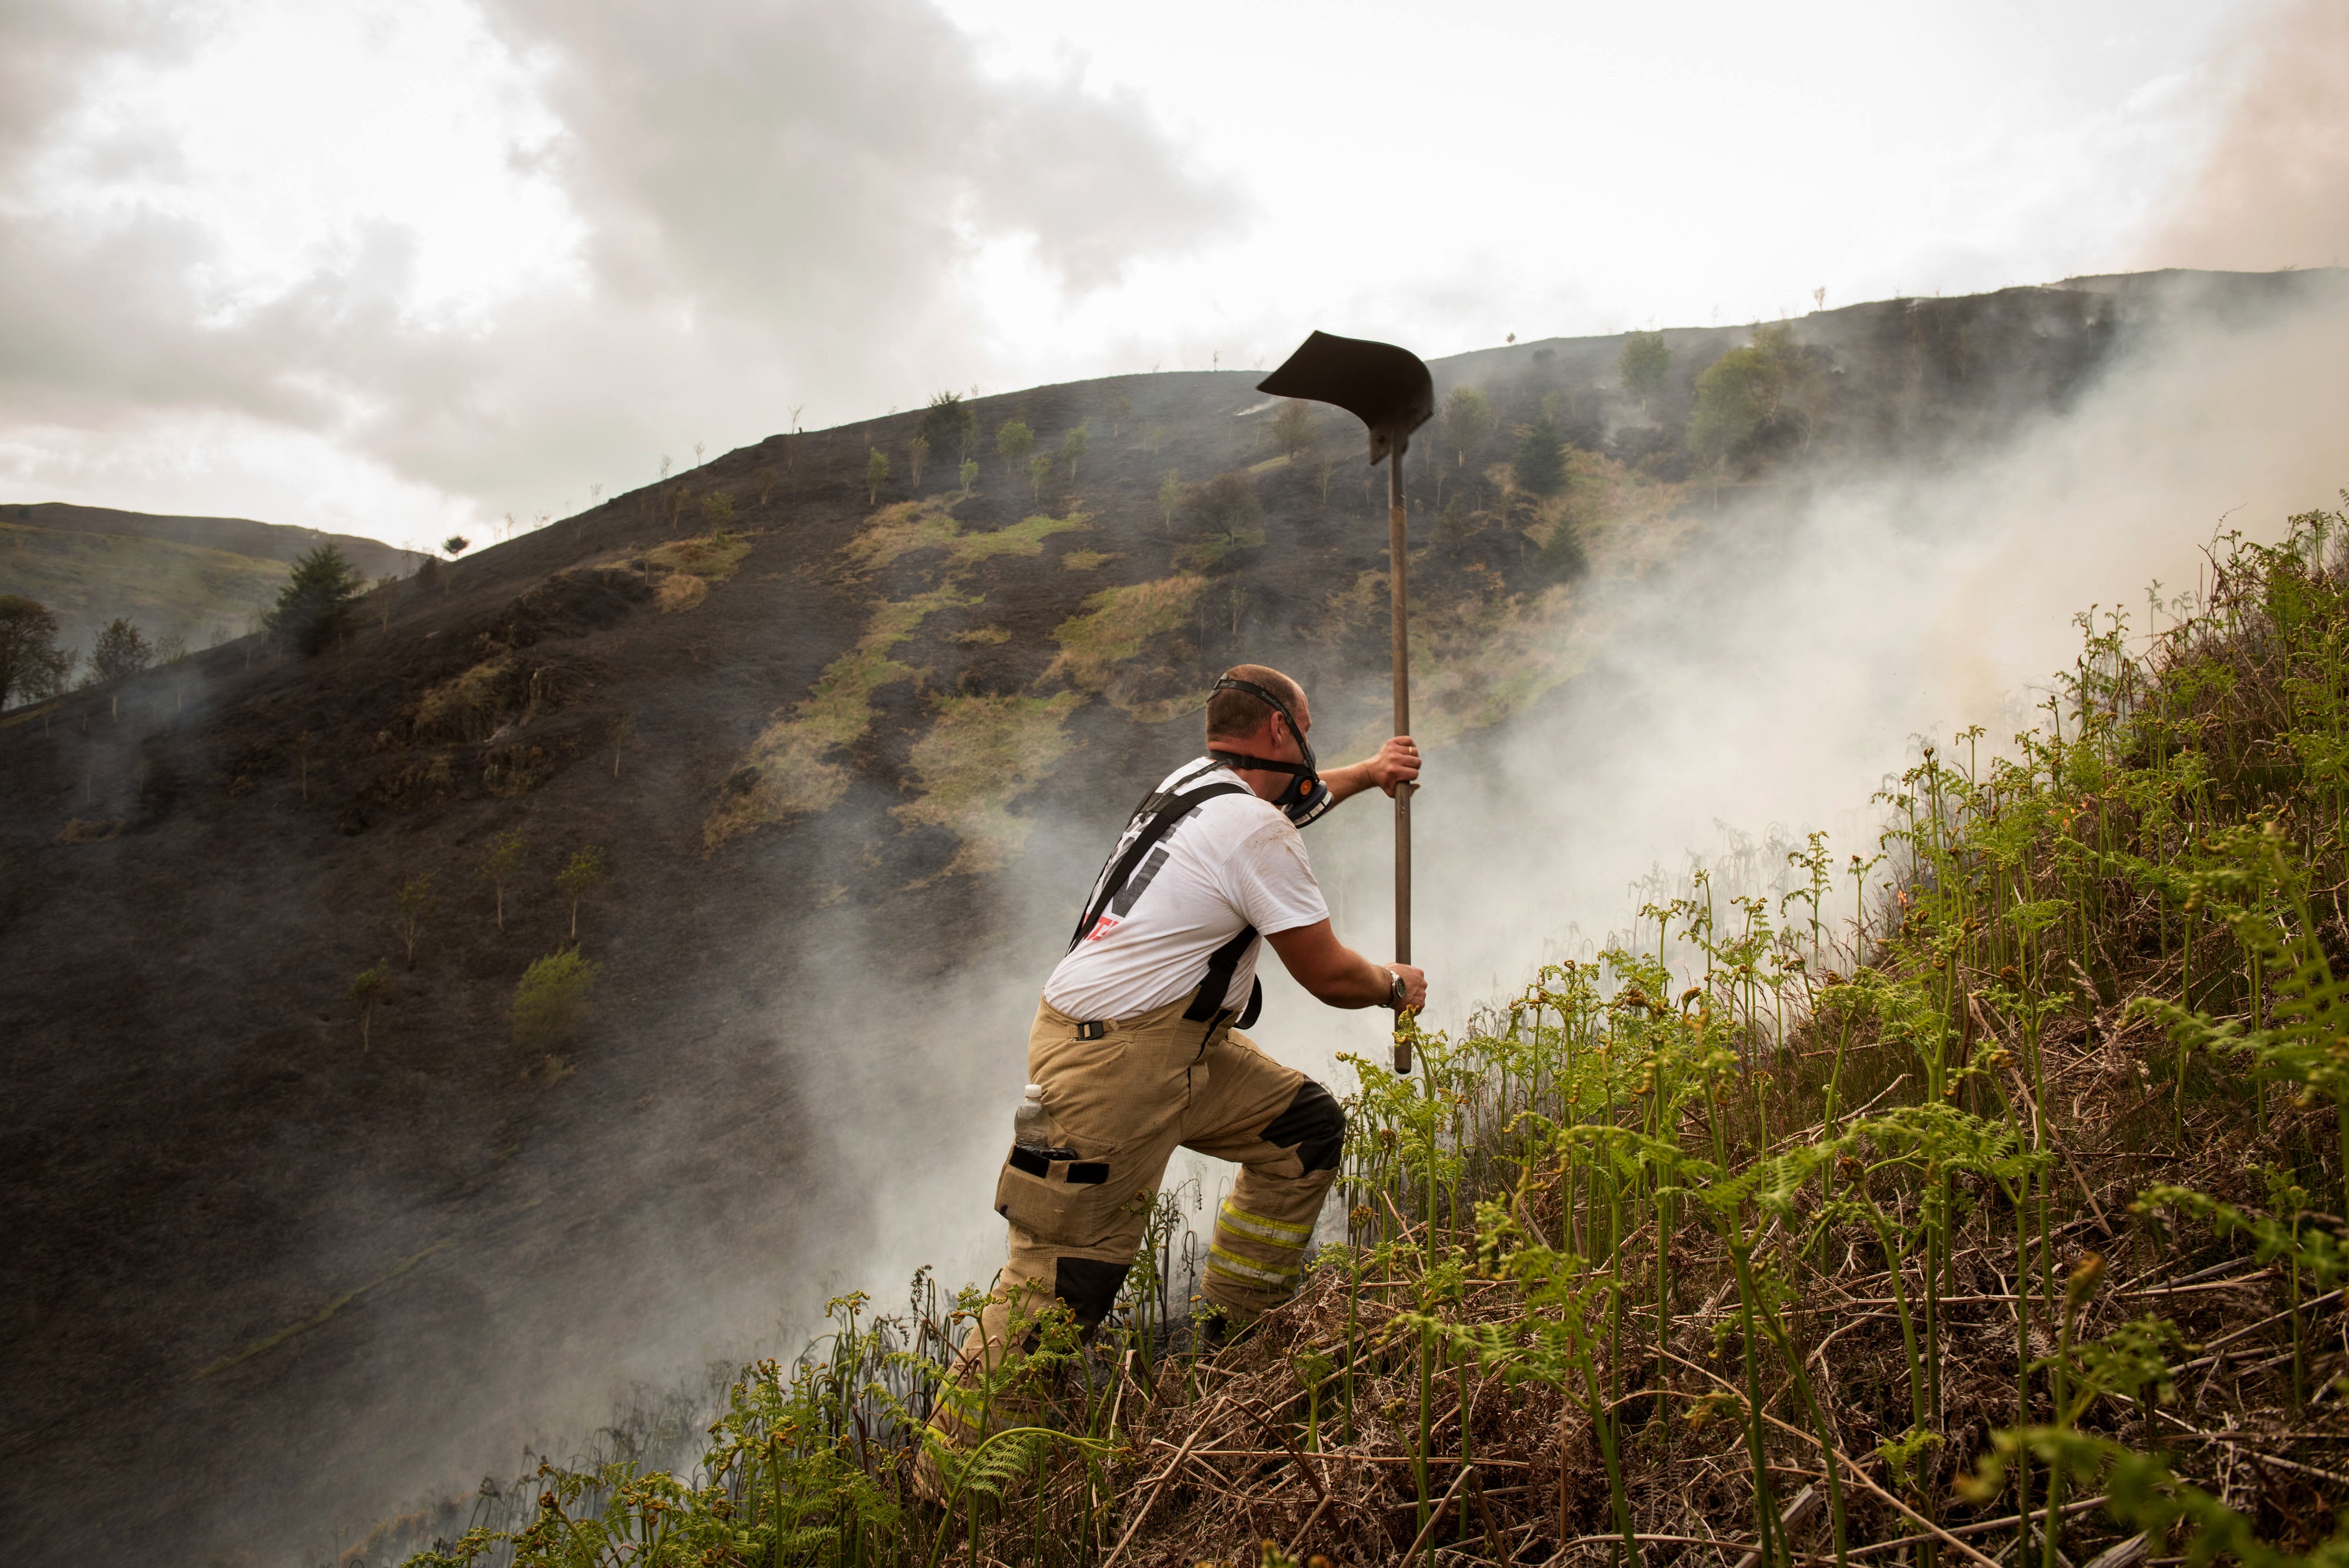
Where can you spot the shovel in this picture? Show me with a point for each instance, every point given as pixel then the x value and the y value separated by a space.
pixel 1390 390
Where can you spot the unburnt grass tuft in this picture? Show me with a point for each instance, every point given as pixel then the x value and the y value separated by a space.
pixel 1997 1221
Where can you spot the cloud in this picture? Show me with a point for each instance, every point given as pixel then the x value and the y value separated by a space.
pixel 608 233
pixel 2274 191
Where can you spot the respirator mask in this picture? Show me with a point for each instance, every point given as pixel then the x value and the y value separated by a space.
pixel 1307 797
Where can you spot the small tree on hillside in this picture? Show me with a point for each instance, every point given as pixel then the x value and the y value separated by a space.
pixel 29 660
pixel 718 509
pixel 367 992
pixel 581 875
pixel 314 607
pixel 949 424
pixel 499 864
pixel 1072 447
pixel 1749 395
pixel 969 473
pixel 1323 472
pixel 1117 410
pixel 624 730
pixel 1467 419
pixel 551 1000
pixel 1170 496
pixel 1012 443
pixel 1643 365
pixel 1292 428
pixel 1153 440
pixel 304 744
pixel 1039 469
pixel 917 458
pixel 1539 467
pixel 876 474
pixel 1226 515
pixel 119 652
pixel 416 901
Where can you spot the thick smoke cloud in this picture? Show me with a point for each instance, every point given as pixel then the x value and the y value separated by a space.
pixel 762 206
pixel 2274 189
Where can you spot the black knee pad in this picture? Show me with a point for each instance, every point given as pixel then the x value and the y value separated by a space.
pixel 1315 1123
pixel 1090 1286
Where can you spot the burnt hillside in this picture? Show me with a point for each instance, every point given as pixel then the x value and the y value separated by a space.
pixel 778 687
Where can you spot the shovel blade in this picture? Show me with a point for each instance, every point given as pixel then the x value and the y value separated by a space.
pixel 1386 388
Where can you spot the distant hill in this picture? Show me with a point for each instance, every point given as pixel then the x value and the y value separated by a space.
pixel 199 578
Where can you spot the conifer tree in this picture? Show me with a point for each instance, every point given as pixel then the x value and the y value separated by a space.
pixel 1539 467
pixel 314 607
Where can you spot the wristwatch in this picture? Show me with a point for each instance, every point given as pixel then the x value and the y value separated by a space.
pixel 1396 990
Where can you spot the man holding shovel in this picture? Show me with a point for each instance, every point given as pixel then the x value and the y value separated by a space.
pixel 1136 1047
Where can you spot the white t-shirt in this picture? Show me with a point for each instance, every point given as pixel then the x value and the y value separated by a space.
pixel 1232 861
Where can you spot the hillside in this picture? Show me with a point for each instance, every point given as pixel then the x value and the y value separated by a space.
pixel 202 579
pixel 814 723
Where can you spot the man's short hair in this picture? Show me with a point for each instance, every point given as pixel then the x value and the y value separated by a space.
pixel 1231 712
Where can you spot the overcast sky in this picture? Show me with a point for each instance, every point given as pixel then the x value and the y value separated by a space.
pixel 400 268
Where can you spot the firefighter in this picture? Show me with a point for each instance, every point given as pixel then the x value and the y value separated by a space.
pixel 1136 1043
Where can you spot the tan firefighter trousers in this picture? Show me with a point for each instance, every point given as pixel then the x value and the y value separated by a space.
pixel 1121 1104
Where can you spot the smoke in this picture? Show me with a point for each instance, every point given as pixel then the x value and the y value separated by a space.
pixel 2274 191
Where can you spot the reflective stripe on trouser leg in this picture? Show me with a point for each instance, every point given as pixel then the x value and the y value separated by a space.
pixel 1259 1258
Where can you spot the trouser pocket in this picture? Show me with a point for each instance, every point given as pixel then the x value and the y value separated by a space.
pixel 1056 1196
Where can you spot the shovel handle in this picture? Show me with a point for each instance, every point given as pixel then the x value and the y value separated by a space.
pixel 1399 576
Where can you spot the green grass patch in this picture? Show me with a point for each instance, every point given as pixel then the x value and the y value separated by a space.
pixel 789 772
pixel 712 558
pixel 911 526
pixel 979 755
pixel 1115 623
pixel 1086 560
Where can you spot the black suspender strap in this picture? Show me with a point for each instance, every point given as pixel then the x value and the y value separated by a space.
pixel 1222 964
pixel 1170 808
pixel 1164 809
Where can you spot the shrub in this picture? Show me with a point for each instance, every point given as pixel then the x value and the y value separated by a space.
pixel 551 999
pixel 681 591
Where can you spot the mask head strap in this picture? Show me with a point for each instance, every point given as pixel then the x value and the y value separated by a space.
pixel 1307 777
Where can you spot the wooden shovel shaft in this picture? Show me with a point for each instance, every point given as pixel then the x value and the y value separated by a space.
pixel 1399 575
